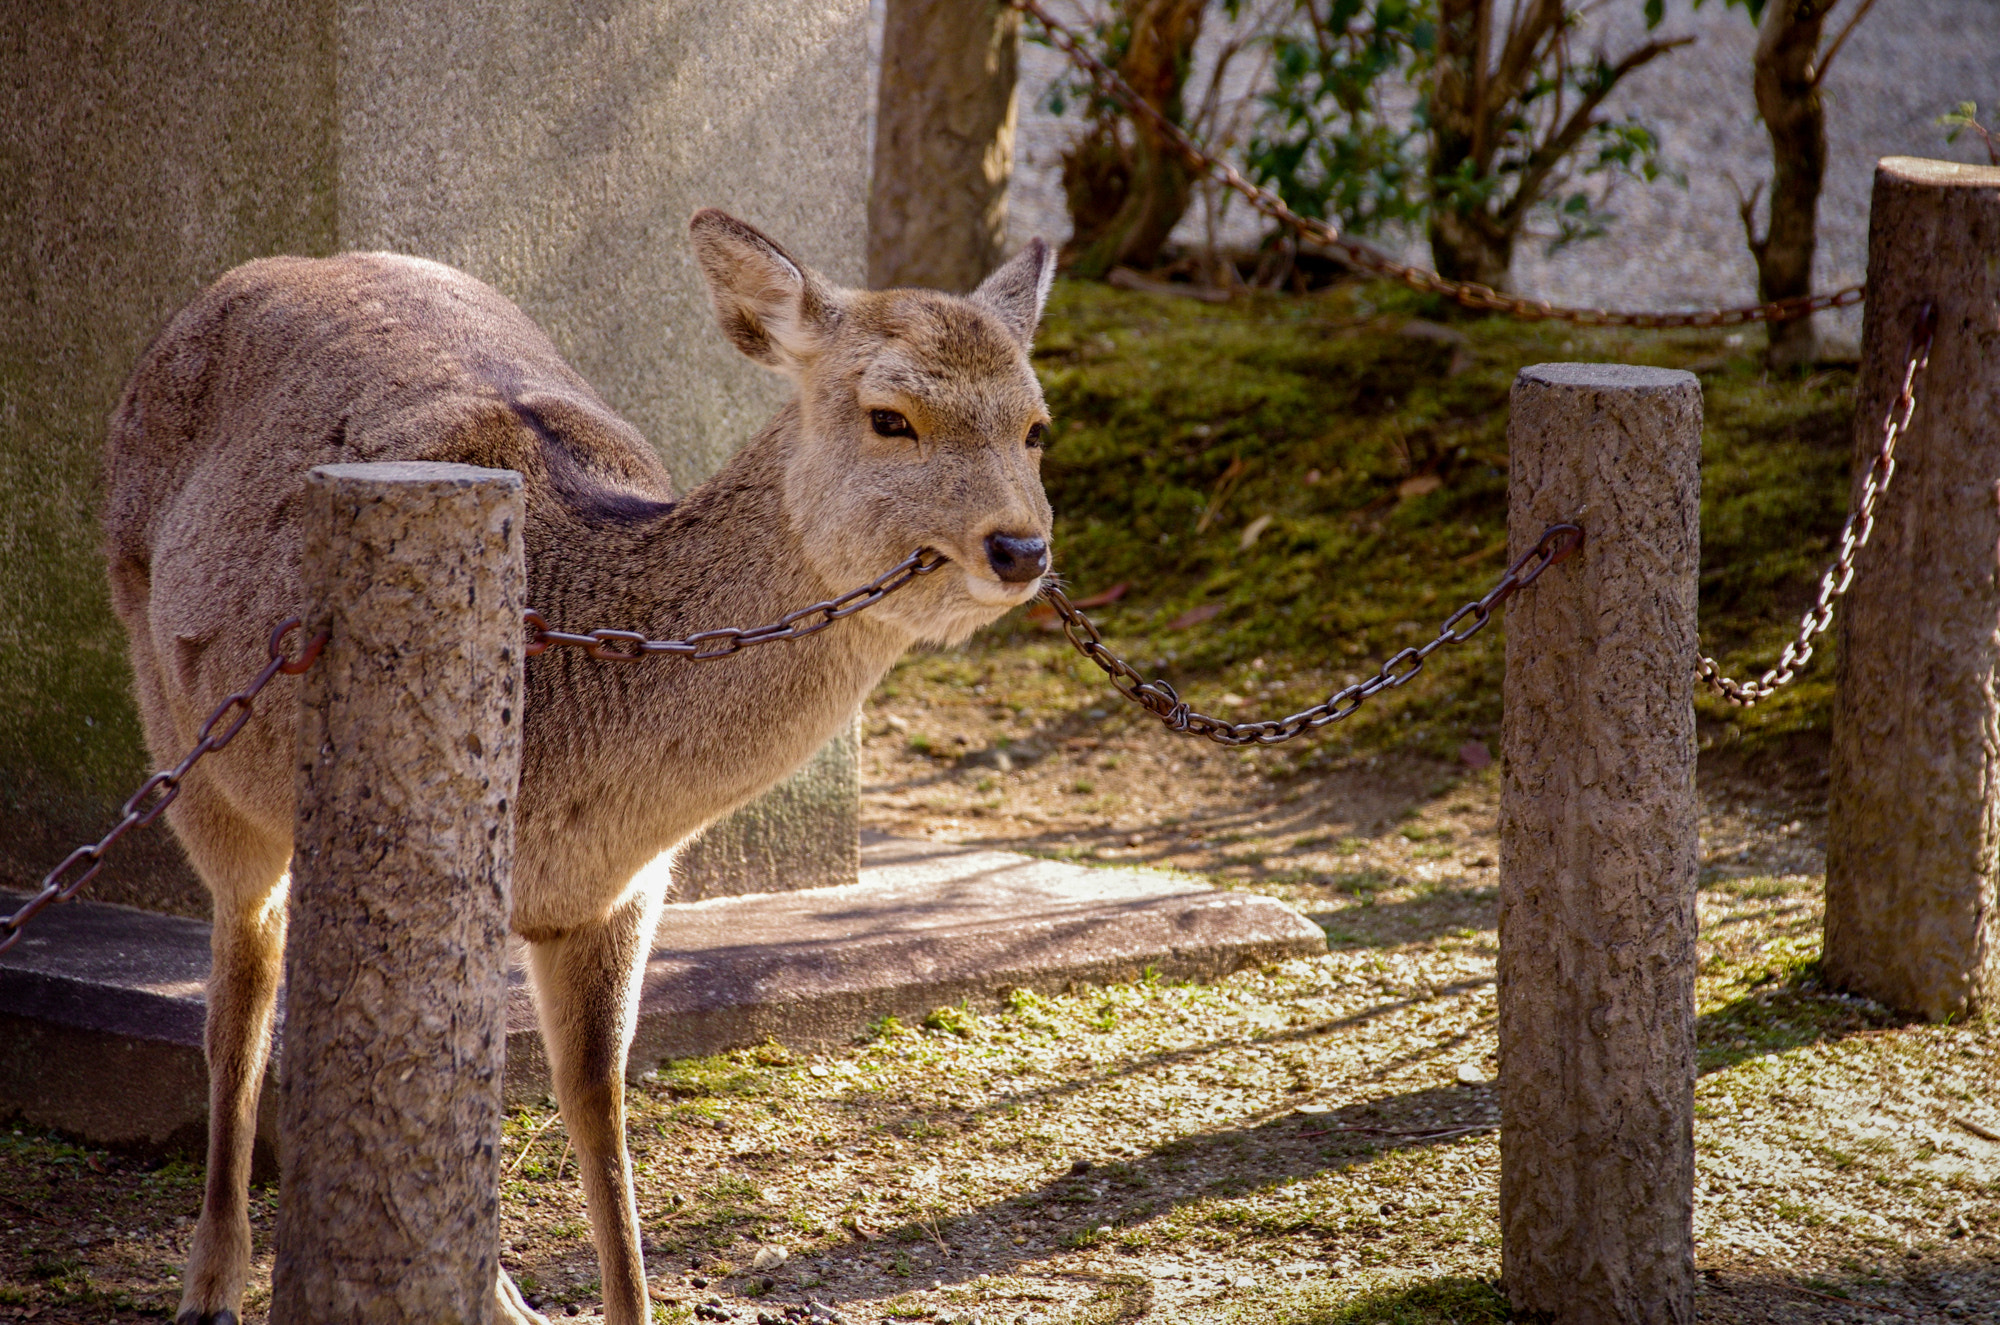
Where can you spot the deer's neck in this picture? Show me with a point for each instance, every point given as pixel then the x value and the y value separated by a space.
pixel 642 754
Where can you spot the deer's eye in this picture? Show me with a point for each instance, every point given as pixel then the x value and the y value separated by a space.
pixel 1038 436
pixel 888 423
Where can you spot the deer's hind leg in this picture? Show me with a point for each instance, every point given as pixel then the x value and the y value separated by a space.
pixel 245 872
pixel 587 997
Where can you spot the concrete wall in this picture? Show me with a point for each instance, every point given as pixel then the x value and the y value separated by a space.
pixel 552 148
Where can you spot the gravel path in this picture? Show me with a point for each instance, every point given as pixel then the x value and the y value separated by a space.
pixel 1907 63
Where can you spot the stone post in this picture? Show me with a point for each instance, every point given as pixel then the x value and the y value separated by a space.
pixel 1598 850
pixel 396 969
pixel 1914 807
pixel 944 142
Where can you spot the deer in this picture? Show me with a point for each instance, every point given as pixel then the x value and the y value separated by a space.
pixel 915 421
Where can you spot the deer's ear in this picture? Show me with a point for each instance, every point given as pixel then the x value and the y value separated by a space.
pixel 1016 292
pixel 773 308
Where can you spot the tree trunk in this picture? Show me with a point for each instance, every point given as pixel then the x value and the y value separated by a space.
pixel 1468 247
pixel 1788 99
pixel 944 143
pixel 1466 243
pixel 1125 199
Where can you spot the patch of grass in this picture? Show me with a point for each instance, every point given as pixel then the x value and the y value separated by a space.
pixel 1453 1300
pixel 1178 424
pixel 720 1075
pixel 1363 884
pixel 886 1027
pixel 960 1021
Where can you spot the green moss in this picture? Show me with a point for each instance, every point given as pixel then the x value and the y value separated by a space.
pixel 1372 466
pixel 1455 1299
pixel 725 1075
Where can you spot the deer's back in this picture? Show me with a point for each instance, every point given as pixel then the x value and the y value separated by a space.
pixel 288 363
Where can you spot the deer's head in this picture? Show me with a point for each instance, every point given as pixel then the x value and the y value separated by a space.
pixel 920 423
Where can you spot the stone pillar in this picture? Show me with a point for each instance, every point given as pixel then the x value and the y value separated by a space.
pixel 402 884
pixel 1598 850
pixel 944 142
pixel 1913 841
pixel 551 149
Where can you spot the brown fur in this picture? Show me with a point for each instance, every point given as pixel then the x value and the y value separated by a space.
pixel 288 363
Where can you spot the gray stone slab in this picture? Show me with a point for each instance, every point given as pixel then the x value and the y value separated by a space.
pixel 101 1006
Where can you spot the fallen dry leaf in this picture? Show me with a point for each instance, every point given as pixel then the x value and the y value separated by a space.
pixel 1194 616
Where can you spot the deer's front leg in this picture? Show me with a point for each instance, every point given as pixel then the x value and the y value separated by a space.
pixel 246 960
pixel 587 996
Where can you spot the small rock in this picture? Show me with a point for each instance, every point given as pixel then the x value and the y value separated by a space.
pixel 696 1281
pixel 1078 1169
pixel 1243 1281
pixel 820 1070
pixel 1471 1074
pixel 769 1257
pixel 994 757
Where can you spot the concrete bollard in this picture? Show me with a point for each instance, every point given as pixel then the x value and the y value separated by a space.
pixel 1914 803
pixel 1599 849
pixel 396 972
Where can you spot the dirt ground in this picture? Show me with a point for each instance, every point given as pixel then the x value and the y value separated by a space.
pixel 1311 1142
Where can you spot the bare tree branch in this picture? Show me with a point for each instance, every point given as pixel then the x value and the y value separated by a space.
pixel 1544 159
pixel 1839 39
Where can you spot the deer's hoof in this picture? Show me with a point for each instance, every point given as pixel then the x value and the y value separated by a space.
pixel 513 1308
pixel 196 1316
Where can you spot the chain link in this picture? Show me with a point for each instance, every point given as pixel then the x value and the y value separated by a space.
pixel 150 801
pixel 1853 534
pixel 1159 699
pixel 1367 257
pixel 630 646
pixel 153 797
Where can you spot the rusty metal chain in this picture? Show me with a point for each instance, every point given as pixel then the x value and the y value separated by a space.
pixel 1367 257
pixel 159 791
pixel 1159 699
pixel 1853 534
pixel 630 646
pixel 153 797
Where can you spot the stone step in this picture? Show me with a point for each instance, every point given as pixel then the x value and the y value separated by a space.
pixel 101 1006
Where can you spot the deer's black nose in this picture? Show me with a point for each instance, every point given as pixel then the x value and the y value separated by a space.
pixel 1017 560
